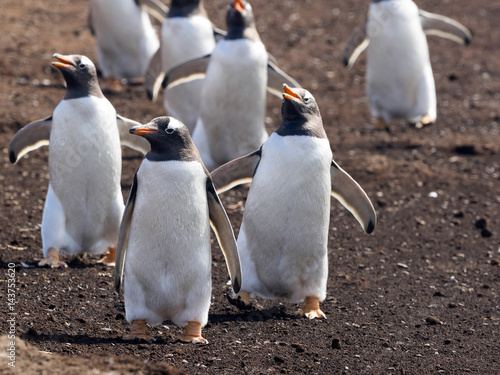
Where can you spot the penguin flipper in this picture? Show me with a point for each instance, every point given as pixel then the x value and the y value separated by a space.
pixel 34 135
pixel 276 78
pixel 154 76
pixel 218 33
pixel 236 172
pixel 154 8
pixel 352 197
pixel 186 72
pixel 126 139
pixel 225 236
pixel 121 247
pixel 435 24
pixel 355 45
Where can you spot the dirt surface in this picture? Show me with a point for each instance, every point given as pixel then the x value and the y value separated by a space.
pixel 418 296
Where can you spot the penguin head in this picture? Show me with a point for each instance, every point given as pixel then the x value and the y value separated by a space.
pixel 240 21
pixel 80 75
pixel 300 114
pixel 169 139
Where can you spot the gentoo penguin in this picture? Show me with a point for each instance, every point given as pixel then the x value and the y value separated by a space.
pixel 186 34
pixel 284 233
pixel 84 203
pixel 399 80
pixel 126 39
pixel 164 242
pixel 233 97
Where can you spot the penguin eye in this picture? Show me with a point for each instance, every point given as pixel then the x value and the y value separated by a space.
pixel 306 100
pixel 82 66
pixel 169 130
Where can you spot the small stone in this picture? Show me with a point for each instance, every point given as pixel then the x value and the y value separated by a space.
pixel 485 233
pixel 481 223
pixel 336 344
pixel 447 342
pixel 279 359
pixel 432 320
pixel 120 316
pixel 402 265
pixel 494 262
pixel 438 294
pixel 452 305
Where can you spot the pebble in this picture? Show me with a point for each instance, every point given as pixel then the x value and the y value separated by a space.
pixel 432 320
pixel 336 344
pixel 402 265
pixel 481 223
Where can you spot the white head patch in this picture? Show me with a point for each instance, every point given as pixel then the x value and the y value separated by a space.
pixel 174 124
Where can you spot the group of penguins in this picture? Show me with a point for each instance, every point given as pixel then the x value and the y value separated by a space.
pixel 215 86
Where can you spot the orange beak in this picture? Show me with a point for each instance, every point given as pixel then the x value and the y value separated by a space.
pixel 63 62
pixel 142 131
pixel 289 94
pixel 239 6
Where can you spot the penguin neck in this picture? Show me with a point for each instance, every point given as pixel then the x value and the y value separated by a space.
pixel 301 124
pixel 172 152
pixel 243 32
pixel 78 89
pixel 183 9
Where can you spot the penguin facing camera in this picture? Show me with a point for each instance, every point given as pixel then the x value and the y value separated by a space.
pixel 233 97
pixel 399 80
pixel 164 242
pixel 84 202
pixel 283 236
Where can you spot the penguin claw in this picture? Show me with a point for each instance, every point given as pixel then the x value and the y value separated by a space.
pixel 108 258
pixel 52 260
pixel 310 309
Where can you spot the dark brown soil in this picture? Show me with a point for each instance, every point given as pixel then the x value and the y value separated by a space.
pixel 419 296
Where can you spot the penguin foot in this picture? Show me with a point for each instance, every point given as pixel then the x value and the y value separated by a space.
pixel 52 260
pixel 240 300
pixel 112 85
pixel 138 331
pixel 310 309
pixel 426 120
pixel 380 124
pixel 108 258
pixel 192 334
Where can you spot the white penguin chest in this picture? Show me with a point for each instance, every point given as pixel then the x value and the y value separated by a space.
pixel 185 38
pixel 171 208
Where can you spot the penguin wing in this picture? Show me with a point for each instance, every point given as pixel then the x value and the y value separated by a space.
pixel 352 196
pixel 121 247
pixel 276 78
pixel 356 43
pixel 236 172
pixel 218 33
pixel 126 139
pixel 154 76
pixel 225 236
pixel 154 8
pixel 435 24
pixel 186 72
pixel 29 138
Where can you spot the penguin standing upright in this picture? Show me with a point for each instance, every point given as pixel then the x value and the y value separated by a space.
pixel 284 233
pixel 84 202
pixel 233 97
pixel 186 34
pixel 164 246
pixel 399 80
pixel 126 39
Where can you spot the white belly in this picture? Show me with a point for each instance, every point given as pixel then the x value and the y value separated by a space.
pixel 168 263
pixel 183 39
pixel 398 83
pixel 84 205
pixel 284 233
pixel 126 39
pixel 233 106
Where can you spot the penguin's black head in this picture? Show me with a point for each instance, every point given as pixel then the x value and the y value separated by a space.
pixel 80 75
pixel 300 114
pixel 240 21
pixel 169 139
